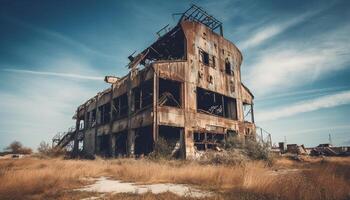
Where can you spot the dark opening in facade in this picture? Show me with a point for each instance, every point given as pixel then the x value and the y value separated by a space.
pixel 105 113
pixel 204 57
pixel 172 137
pixel 143 141
pixel 121 144
pixel 216 104
pixel 104 146
pixel 228 68
pixel 143 95
pixel 169 93
pixel 120 107
pixel 91 119
pixel 207 140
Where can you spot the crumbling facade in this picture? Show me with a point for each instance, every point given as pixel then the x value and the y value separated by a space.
pixel 186 88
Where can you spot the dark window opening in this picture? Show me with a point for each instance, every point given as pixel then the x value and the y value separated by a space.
pixel 230 105
pixel 207 140
pixel 171 135
pixel 121 144
pixel 213 62
pixel 216 104
pixel 248 112
pixel 91 118
pixel 143 141
pixel 143 95
pixel 120 107
pixel 169 93
pixel 228 68
pixel 204 57
pixel 104 146
pixel 105 113
pixel 137 101
pixel 88 120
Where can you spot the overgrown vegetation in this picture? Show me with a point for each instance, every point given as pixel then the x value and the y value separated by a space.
pixel 313 179
pixel 46 150
pixel 237 151
pixel 17 148
pixel 162 150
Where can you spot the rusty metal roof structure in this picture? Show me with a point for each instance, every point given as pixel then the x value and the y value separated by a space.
pixel 197 14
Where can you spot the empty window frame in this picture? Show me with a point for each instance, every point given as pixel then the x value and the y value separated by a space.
pixel 104 145
pixel 170 137
pixel 91 118
pixel 169 93
pixel 105 113
pixel 143 95
pixel 248 112
pixel 144 141
pixel 203 57
pixel 121 144
pixel 207 140
pixel 216 104
pixel 120 106
pixel 228 67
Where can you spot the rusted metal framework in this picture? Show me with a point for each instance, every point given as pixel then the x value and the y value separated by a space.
pixel 186 88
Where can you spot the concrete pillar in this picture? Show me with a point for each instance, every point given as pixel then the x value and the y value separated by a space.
pixel 76 141
pixel 131 142
pixel 182 144
pixel 112 143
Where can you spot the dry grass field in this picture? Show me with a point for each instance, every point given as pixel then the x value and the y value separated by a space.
pixel 313 178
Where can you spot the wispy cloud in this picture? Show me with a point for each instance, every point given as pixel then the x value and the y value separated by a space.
pixel 295 63
pixel 45 73
pixel 328 101
pixel 302 92
pixel 269 31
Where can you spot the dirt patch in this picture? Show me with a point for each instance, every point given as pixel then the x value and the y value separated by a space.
pixel 105 185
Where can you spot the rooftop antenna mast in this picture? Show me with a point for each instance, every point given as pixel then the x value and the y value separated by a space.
pixel 330 138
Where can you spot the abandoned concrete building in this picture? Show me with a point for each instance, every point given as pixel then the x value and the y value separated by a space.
pixel 185 88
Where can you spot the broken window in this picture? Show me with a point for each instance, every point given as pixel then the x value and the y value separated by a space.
pixel 216 104
pixel 169 93
pixel 93 118
pixel 103 145
pixel 207 140
pixel 171 136
pixel 143 141
pixel 203 57
pixel 143 95
pixel 147 93
pixel 209 102
pixel 105 113
pixel 230 105
pixel 213 63
pixel 121 144
pixel 228 68
pixel 137 101
pixel 120 106
pixel 248 112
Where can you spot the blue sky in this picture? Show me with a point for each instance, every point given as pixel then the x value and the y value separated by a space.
pixel 54 55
